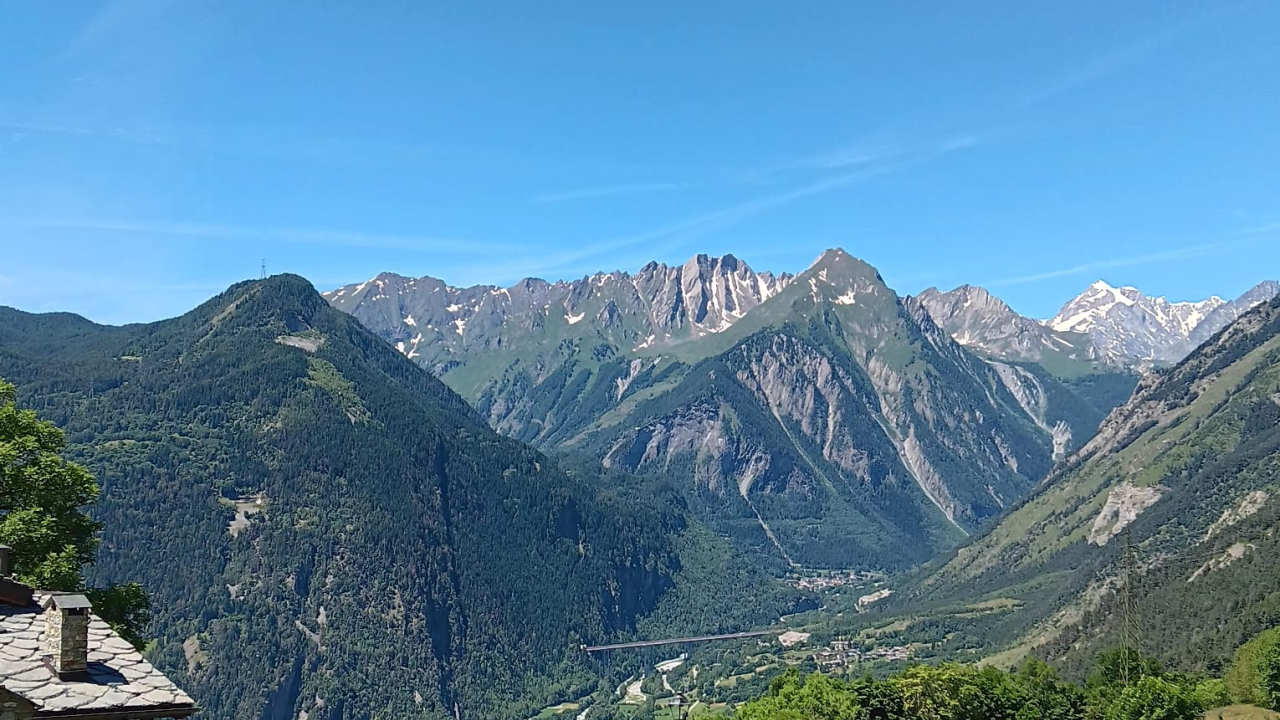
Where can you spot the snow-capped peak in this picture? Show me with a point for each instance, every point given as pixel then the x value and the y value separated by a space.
pixel 1124 323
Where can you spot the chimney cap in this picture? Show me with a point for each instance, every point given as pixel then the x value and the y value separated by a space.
pixel 67 601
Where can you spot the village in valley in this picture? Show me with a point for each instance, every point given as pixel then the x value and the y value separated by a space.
pixel 708 679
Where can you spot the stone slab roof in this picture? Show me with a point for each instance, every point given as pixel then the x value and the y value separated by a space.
pixel 119 683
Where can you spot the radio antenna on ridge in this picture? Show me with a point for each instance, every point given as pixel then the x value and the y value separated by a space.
pixel 264 269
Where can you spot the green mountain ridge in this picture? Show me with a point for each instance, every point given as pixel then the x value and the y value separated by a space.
pixel 1171 504
pixel 311 510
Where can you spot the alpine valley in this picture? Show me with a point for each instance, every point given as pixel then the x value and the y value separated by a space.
pixel 1167 515
pixel 404 499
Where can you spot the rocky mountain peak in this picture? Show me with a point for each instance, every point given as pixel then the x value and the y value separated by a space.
pixel 1127 325
pixel 1227 313
pixel 842 273
pixel 984 322
pixel 839 264
pixel 659 304
pixel 963 299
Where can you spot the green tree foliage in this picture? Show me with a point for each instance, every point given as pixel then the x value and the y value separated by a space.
pixel 1048 696
pixel 815 697
pixel 1127 685
pixel 1269 674
pixel 1122 665
pixel 42 517
pixel 962 692
pixel 1212 693
pixel 1154 698
pixel 126 607
pixel 42 500
pixel 1247 677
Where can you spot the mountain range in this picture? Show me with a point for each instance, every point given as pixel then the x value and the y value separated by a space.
pixel 794 412
pixel 420 506
pixel 327 531
pixel 662 306
pixel 1118 327
pixel 654 308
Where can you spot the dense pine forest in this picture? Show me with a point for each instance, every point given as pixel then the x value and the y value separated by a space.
pixel 322 525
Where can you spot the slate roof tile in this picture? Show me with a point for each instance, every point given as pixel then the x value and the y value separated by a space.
pixel 119 679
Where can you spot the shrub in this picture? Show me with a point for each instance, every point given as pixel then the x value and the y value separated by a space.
pixel 1244 679
pixel 1269 677
pixel 816 697
pixel 1211 693
pixel 1153 698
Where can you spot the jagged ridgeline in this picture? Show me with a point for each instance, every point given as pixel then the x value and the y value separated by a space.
pixel 820 419
pixel 1175 499
pixel 325 527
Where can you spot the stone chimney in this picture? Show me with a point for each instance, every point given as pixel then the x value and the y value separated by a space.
pixel 66 633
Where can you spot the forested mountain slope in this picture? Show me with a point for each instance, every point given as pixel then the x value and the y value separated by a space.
pixel 1183 480
pixel 326 528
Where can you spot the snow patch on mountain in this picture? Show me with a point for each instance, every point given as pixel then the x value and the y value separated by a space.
pixel 657 305
pixel 1125 325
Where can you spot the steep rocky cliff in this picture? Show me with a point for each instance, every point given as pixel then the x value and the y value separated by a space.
pixel 841 426
pixel 1178 485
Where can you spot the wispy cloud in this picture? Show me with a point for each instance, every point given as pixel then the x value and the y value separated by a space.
pixel 851 155
pixel 678 233
pixel 701 225
pixel 608 191
pixel 1191 251
pixel 1266 229
pixel 357 239
pixel 1097 265
pixel 896 148
pixel 1114 61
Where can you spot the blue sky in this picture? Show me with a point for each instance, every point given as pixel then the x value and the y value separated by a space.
pixel 152 152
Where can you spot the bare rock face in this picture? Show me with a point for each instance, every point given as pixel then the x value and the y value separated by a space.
pixel 1228 313
pixel 434 321
pixel 705 294
pixel 807 388
pixel 1124 504
pixel 979 320
pixel 854 427
pixel 1030 393
pixel 1118 327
